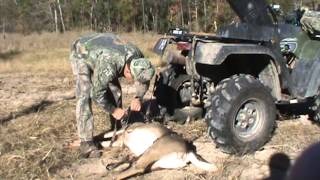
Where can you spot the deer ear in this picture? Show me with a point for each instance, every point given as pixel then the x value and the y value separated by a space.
pixel 129 131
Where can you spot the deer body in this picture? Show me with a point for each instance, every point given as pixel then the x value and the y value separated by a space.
pixel 157 147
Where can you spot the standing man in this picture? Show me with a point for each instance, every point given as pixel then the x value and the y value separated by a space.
pixel 98 61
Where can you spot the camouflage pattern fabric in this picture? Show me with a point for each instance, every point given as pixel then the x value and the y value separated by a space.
pixel 311 22
pixel 142 70
pixel 97 42
pixel 97 76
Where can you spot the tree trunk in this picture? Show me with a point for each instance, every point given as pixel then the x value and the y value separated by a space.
pixel 313 5
pixel 61 17
pixel 189 16
pixel 3 28
pixel 143 17
pixel 152 12
pixel 107 5
pixel 181 13
pixel 217 7
pixel 95 16
pixel 196 15
pixel 205 15
pixel 155 15
pixel 216 15
pixel 56 19
pixel 51 15
pixel 81 16
pixel 91 16
pixel 156 22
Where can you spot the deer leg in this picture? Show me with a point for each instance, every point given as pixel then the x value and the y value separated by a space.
pixel 129 173
pixel 124 160
pixel 106 144
pixel 110 134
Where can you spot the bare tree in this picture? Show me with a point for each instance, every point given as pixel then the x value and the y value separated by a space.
pixel 2 6
pixel 51 14
pixel 3 28
pixel 181 13
pixel 216 15
pixel 189 15
pixel 196 15
pixel 205 14
pixel 61 16
pixel 56 19
pixel 143 16
pixel 109 16
pixel 93 17
pixel 154 18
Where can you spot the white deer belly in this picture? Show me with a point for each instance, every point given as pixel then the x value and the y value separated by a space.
pixel 139 141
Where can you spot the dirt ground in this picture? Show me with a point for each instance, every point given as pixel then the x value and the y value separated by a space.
pixel 37 114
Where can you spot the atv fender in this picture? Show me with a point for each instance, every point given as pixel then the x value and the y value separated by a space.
pixel 216 53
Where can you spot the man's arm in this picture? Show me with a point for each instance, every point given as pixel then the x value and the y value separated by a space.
pixel 104 73
pixel 141 89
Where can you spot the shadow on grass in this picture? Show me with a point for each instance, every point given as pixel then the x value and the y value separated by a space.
pixel 306 165
pixel 5 56
pixel 279 165
pixel 29 110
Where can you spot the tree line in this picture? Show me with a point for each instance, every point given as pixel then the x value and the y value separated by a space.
pixel 27 16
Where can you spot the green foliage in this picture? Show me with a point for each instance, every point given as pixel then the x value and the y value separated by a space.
pixel 8 14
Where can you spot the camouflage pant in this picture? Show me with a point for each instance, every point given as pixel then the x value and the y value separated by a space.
pixel 84 116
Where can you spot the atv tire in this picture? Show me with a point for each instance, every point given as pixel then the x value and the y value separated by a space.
pixel 168 95
pixel 240 114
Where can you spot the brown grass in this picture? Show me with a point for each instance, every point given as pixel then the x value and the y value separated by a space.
pixel 31 145
pixel 50 51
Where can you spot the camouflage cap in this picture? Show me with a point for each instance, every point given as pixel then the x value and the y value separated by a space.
pixel 132 51
pixel 142 70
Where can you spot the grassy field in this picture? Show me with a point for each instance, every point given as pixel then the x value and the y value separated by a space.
pixel 34 74
pixel 36 84
pixel 50 51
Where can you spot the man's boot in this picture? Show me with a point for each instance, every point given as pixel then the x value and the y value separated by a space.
pixel 89 150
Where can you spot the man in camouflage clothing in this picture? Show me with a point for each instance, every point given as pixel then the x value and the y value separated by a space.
pixel 98 60
pixel 310 22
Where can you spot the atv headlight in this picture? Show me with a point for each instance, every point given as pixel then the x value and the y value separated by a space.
pixel 178 32
pixel 288 45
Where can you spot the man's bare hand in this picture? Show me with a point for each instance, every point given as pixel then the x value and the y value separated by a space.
pixel 118 113
pixel 135 105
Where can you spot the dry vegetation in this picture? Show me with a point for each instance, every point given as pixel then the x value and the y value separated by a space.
pixel 34 75
pixel 36 78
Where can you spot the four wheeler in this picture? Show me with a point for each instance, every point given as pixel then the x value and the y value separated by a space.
pixel 237 78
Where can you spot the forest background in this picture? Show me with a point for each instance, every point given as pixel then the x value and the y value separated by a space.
pixel 28 16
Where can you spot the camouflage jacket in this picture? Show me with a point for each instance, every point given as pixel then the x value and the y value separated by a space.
pixel 311 22
pixel 107 57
